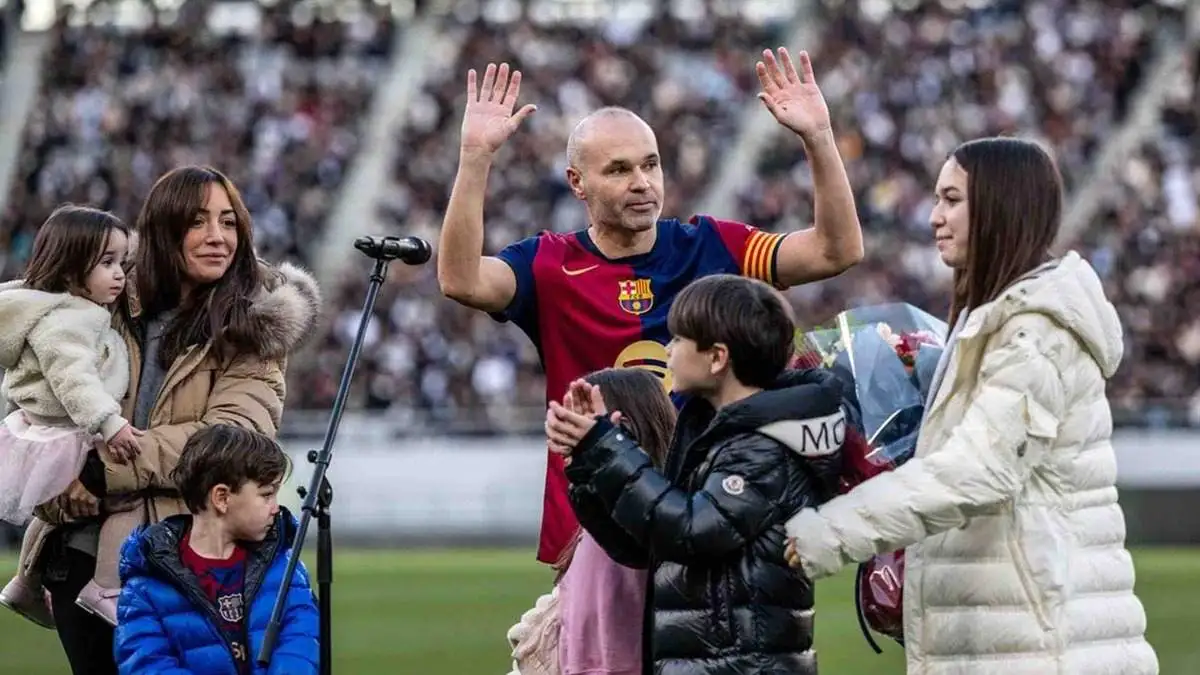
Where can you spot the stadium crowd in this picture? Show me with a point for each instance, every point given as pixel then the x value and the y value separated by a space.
pixel 1145 242
pixel 278 109
pixel 904 87
pixel 275 105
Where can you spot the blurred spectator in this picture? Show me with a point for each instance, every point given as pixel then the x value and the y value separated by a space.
pixel 907 86
pixel 276 106
pixel 1146 245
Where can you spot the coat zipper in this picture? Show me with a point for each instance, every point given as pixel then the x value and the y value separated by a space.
pixel 198 598
pixel 251 584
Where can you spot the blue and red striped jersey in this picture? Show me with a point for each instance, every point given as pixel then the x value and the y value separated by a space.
pixel 585 312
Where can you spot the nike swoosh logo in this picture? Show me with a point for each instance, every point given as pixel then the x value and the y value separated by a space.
pixel 575 273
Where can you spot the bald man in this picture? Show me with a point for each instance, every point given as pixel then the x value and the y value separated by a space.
pixel 599 297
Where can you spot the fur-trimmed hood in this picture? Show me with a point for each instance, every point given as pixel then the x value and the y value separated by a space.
pixel 285 311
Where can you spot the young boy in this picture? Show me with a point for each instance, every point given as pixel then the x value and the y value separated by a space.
pixel 199 588
pixel 753 444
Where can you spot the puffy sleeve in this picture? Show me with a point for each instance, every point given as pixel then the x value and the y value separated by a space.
pixel 248 393
pixel 1008 427
pixel 594 516
pixel 140 644
pixel 65 342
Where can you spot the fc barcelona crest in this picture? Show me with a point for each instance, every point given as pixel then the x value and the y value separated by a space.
pixel 231 608
pixel 635 296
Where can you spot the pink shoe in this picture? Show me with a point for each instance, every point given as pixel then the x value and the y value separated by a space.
pixel 23 597
pixel 99 601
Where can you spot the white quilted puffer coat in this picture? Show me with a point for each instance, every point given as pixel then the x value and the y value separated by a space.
pixel 1016 560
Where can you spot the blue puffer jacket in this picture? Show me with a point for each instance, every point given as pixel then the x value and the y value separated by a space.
pixel 166 626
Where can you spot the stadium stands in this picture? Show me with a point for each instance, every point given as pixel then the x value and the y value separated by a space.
pixel 904 88
pixel 906 81
pixel 272 97
pixel 1146 245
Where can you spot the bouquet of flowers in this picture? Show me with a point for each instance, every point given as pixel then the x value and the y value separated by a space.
pixel 888 354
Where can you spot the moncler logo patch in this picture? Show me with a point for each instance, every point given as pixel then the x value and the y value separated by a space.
pixel 733 485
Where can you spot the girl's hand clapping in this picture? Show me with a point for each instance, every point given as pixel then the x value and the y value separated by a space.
pixel 568 422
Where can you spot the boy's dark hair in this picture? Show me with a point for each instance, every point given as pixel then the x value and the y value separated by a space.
pixel 225 454
pixel 67 246
pixel 749 317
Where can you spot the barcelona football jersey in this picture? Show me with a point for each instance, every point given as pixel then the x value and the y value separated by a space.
pixel 223 583
pixel 585 312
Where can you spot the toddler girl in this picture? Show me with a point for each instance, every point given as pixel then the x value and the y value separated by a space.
pixel 65 373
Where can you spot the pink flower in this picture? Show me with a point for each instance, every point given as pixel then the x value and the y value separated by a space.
pixel 910 343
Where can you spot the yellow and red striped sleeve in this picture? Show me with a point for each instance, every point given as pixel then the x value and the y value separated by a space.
pixel 754 251
pixel 761 256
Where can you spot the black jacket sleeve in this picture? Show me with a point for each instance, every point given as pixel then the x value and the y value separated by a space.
pixel 591 511
pixel 594 517
pixel 741 496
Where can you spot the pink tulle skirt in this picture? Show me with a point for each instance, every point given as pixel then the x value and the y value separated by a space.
pixel 37 463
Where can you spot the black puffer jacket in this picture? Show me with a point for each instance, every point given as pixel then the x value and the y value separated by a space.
pixel 723 600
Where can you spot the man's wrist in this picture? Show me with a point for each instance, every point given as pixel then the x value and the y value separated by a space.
pixel 475 158
pixel 819 140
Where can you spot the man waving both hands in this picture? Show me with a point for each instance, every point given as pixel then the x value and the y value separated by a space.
pixel 599 297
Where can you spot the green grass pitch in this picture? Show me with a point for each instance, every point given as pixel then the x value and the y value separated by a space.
pixel 446 612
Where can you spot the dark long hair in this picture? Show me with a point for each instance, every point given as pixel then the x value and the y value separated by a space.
pixel 1015 204
pixel 68 246
pixel 216 312
pixel 646 413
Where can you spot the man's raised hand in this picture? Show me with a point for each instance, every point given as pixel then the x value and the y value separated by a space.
pixel 489 118
pixel 792 97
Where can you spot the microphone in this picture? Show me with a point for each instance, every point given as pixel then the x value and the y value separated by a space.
pixel 411 250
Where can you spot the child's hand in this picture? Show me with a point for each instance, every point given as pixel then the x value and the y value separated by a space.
pixel 582 398
pixel 124 445
pixel 565 427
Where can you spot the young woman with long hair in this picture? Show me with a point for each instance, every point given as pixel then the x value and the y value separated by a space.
pixel 1015 559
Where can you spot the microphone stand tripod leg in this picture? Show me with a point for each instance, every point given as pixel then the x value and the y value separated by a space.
pixel 325 574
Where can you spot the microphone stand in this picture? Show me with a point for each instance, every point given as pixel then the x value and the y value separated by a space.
pixel 319 495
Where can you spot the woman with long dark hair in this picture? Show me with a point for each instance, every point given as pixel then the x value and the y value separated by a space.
pixel 209 328
pixel 1016 559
